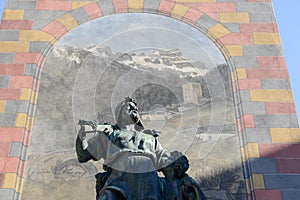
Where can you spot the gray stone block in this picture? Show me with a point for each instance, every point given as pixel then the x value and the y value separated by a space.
pixel 4 81
pixel 258 17
pixel 245 61
pixel 232 27
pixel 80 15
pixel 245 95
pixel 21 5
pixel 276 84
pixel 7 194
pixel 276 121
pixel 7 120
pixel 43 15
pixel 246 169
pixel 254 7
pixel 263 165
pixel 40 47
pixel 7 58
pixel 282 181
pixel 254 135
pixel 262 50
pixel 31 110
pixel 290 194
pixel 106 7
pixel 32 70
pixel 151 5
pixel 17 149
pixel 205 22
pixel 9 35
pixel 256 108
pixel 13 107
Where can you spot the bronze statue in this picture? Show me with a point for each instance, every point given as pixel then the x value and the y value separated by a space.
pixel 133 155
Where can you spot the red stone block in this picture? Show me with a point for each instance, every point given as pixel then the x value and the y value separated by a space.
pixel 55 29
pixel 11 134
pixel 249 84
pixel 9 164
pixel 16 24
pixel 280 108
pixel 237 38
pixel 166 6
pixel 2 175
pixel 240 124
pixel 54 5
pixel 93 10
pixel 27 138
pixel 193 5
pixel 9 94
pixel 288 166
pixel 259 27
pixel 36 85
pixel 248 121
pixel 268 195
pixel 279 150
pixel 271 62
pixel 21 169
pixel 120 6
pixel 4 149
pixel 267 73
pixel 192 15
pixel 26 58
pixel 12 69
pixel 21 82
pixel 216 7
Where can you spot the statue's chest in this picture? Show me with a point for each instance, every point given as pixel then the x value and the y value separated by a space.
pixel 133 140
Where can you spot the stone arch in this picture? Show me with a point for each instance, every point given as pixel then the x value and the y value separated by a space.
pixel 212 28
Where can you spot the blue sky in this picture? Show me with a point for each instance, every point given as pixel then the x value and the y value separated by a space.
pixel 287 14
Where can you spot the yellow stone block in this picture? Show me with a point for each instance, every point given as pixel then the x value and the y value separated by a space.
pixel 68 21
pixel 2 105
pixel 19 184
pixel 179 10
pixel 235 17
pixel 241 73
pixel 243 153
pixel 258 181
pixel 35 35
pixel 25 94
pixel 135 4
pixel 29 123
pixel 13 14
pixel 272 95
pixel 10 180
pixel 195 1
pixel 266 38
pixel 218 31
pixel 247 184
pixel 13 46
pixel 21 119
pixel 285 135
pixel 78 4
pixel 252 150
pixel 33 99
pixel 234 50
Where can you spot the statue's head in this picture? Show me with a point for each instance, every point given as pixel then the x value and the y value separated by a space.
pixel 127 114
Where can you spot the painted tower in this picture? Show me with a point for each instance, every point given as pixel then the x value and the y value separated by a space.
pixel 231 47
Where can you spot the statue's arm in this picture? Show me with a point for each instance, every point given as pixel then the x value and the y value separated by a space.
pixel 83 155
pixel 82 152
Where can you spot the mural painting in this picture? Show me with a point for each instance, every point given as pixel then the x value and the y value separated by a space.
pixel 177 76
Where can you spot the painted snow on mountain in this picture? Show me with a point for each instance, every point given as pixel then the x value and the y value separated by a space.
pixel 157 60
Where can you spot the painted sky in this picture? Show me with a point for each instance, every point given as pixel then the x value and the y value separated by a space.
pixel 287 14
